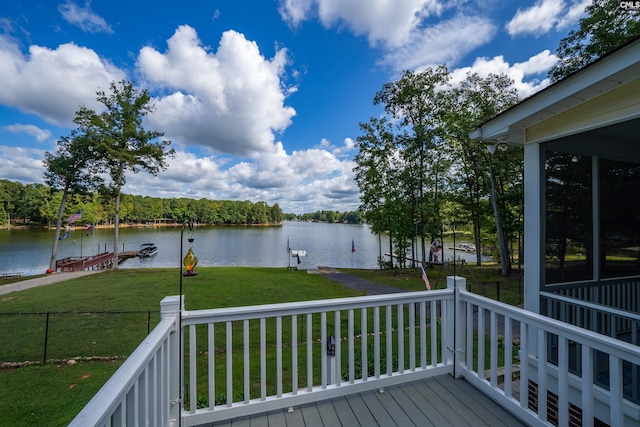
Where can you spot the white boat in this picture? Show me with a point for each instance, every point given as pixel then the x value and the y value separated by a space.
pixel 464 247
pixel 148 250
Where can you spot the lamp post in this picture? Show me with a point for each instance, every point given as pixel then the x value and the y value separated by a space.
pixel 191 265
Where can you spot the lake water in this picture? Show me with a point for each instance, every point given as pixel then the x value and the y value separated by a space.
pixel 28 250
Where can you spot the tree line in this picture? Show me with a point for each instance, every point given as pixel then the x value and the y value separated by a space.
pixel 37 204
pixel 348 217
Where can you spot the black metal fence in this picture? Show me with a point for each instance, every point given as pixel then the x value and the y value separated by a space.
pixel 54 336
pixel 510 292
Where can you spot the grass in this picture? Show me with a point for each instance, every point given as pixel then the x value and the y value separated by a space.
pixel 52 394
pixel 481 280
pixel 142 290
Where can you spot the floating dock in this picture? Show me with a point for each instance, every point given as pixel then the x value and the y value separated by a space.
pixel 94 262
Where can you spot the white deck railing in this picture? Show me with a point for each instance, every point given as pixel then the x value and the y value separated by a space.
pixel 259 358
pixel 246 360
pixel 547 350
pixel 619 293
pixel 143 391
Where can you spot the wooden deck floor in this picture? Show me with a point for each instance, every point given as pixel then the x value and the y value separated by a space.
pixel 438 401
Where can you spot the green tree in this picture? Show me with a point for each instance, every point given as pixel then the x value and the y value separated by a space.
pixel 373 174
pixel 414 101
pixel 276 216
pixel 123 144
pixel 474 101
pixel 69 169
pixel 9 192
pixel 605 28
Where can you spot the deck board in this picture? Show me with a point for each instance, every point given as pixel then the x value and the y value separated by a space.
pixel 425 403
pixel 361 410
pixel 346 414
pixel 441 405
pixel 327 413
pixel 437 401
pixel 379 413
pixel 452 402
pixel 397 413
pixel 480 404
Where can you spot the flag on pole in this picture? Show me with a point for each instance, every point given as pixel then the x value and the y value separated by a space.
pixel 288 247
pixel 353 246
pixel 89 229
pixel 425 278
pixel 73 218
pixel 64 236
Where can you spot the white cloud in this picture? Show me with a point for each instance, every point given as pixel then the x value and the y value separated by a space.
pixel 231 101
pixel 84 18
pixel 446 42
pixel 21 164
pixel 388 22
pixel 344 150
pixel 40 135
pixel 545 16
pixel 186 176
pixel 573 15
pixel 518 72
pixel 53 98
pixel 293 12
pixel 411 34
pixel 303 181
pixel 383 21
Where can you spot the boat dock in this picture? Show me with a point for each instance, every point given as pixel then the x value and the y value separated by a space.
pixel 100 261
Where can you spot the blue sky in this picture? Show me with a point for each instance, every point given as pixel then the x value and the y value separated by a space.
pixel 261 99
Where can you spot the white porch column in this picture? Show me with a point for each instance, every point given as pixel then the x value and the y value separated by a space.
pixel 534 237
pixel 457 319
pixel 170 306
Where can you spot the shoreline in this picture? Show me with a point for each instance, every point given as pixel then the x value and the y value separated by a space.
pixel 126 225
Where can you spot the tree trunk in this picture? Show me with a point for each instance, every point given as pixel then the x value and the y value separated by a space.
pixel 116 223
pixel 477 241
pixel 505 260
pixel 116 219
pixel 54 250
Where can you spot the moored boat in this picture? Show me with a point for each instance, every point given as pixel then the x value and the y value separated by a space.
pixel 148 250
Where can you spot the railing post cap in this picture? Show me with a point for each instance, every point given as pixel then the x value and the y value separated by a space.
pixel 170 304
pixel 458 282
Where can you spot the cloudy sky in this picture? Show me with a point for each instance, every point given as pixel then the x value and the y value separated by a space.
pixel 261 98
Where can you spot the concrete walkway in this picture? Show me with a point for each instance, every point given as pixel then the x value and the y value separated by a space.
pixel 354 282
pixel 43 281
